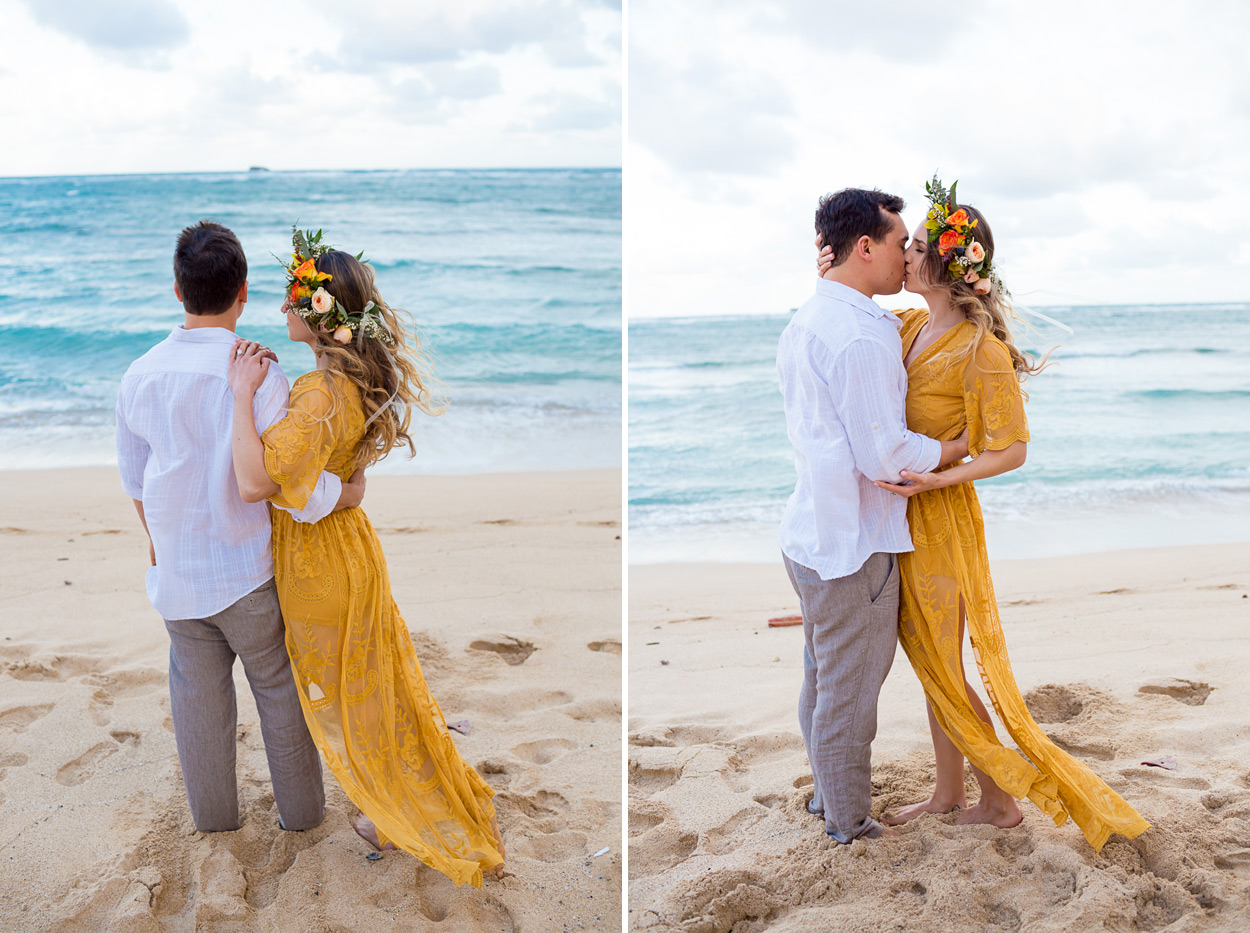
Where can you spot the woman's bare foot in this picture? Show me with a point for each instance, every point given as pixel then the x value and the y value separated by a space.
pixel 901 815
pixel 1004 815
pixel 369 833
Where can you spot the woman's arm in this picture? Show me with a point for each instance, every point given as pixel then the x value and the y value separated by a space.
pixel 989 463
pixel 245 374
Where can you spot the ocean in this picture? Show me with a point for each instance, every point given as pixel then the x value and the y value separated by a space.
pixel 512 276
pixel 1140 436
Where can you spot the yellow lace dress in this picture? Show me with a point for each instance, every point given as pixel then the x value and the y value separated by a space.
pixel 948 391
pixel 361 687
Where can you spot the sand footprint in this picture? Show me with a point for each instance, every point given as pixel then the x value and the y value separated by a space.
pixel 84 766
pixel 542 751
pixel 1080 749
pixel 653 769
pixel 645 815
pixel 723 839
pixel 434 898
pixel 544 811
pixel 608 646
pixel 591 710
pixel 1053 703
pixel 100 707
pixel 1189 692
pixel 511 649
pixel 19 718
pixel 1237 862
pixel 222 887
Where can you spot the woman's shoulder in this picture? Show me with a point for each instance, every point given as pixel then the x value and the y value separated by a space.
pixel 324 379
pixel 910 316
pixel 321 391
pixel 992 356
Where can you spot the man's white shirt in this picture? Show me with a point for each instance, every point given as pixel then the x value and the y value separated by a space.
pixel 174 426
pixel 840 365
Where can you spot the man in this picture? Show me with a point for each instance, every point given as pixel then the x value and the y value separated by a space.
pixel 840 364
pixel 211 577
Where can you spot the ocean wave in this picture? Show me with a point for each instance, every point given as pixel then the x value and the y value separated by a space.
pixel 1189 394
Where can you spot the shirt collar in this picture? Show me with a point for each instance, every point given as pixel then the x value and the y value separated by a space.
pixel 204 334
pixel 848 295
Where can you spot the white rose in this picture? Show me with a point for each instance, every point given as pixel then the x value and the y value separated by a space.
pixel 342 334
pixel 974 251
pixel 322 301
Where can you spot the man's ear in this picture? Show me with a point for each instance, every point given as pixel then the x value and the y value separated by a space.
pixel 177 292
pixel 242 297
pixel 863 247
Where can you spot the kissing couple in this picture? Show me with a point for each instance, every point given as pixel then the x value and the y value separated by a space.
pixel 250 497
pixel 882 537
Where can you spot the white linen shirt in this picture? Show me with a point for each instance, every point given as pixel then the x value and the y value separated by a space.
pixel 175 420
pixel 840 364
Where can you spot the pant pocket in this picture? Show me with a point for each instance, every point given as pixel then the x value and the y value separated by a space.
pixel 886 588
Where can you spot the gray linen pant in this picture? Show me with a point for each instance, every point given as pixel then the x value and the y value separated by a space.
pixel 201 694
pixel 850 630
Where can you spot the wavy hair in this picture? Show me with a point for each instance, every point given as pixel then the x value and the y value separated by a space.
pixel 989 312
pixel 392 380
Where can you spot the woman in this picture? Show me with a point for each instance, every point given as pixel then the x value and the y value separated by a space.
pixel 364 697
pixel 964 373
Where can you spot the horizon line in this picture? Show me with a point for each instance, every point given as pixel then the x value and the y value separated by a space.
pixel 264 170
pixel 630 319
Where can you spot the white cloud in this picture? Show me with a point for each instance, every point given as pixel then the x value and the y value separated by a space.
pixel 377 35
pixel 440 83
pixel 574 112
pixel 1093 129
pixel 116 26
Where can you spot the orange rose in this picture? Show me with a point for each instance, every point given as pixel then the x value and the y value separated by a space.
pixel 308 269
pixel 958 219
pixel 948 241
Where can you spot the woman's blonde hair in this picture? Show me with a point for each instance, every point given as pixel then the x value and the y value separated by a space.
pixel 392 380
pixel 989 312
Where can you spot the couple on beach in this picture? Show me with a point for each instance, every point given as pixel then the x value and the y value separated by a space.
pixel 883 538
pixel 206 433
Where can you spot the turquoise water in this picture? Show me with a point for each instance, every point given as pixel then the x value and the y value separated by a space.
pixel 1140 435
pixel 513 276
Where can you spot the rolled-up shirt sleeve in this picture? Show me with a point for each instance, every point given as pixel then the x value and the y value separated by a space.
pixel 870 409
pixel 132 452
pixel 269 407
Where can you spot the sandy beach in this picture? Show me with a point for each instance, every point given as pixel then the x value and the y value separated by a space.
pixel 511 586
pixel 1122 657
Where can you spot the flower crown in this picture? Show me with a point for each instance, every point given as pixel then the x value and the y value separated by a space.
pixel 952 229
pixel 307 298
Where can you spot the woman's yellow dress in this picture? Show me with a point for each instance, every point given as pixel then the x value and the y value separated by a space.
pixel 949 390
pixel 361 687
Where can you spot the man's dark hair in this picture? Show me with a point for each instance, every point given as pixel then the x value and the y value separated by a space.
pixel 209 267
pixel 845 216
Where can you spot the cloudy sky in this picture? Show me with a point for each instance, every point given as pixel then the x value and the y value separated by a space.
pixel 88 87
pixel 1106 142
